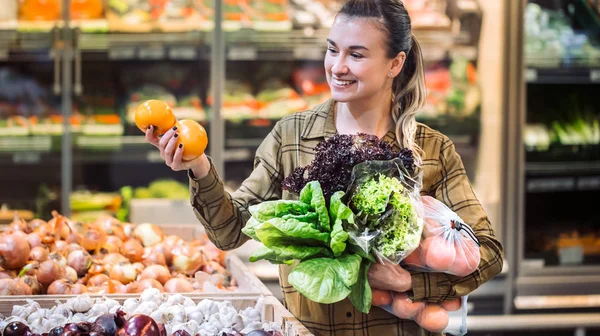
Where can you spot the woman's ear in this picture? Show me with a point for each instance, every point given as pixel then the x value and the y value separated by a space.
pixel 397 64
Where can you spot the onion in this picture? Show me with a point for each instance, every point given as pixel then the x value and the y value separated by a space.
pixel 128 229
pixel 139 267
pixel 60 246
pixel 74 238
pixel 111 226
pixel 33 283
pixel 35 223
pixel 141 325
pixel 80 261
pixel 7 287
pixel 78 289
pixel 16 329
pixel 14 251
pixel 148 234
pixel 19 225
pixel 114 258
pixel 96 269
pixel 149 283
pixel 152 257
pixel 39 253
pixel 187 260
pixel 21 288
pixel 58 258
pixel 93 239
pixel 178 285
pixel 48 272
pixel 165 250
pixel 7 275
pixel 71 274
pixel 172 241
pixel 133 250
pixel 34 239
pixel 156 272
pixel 60 286
pixel 124 273
pixel 97 280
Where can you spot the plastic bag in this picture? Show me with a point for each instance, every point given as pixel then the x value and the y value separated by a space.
pixel 384 197
pixel 449 317
pixel 448 246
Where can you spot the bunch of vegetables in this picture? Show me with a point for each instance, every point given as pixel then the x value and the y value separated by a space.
pixel 191 135
pixel 154 314
pixel 66 257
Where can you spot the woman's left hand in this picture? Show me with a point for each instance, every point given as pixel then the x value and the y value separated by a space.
pixel 389 276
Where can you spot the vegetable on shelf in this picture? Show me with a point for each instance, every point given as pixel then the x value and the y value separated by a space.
pixel 152 314
pixel 105 256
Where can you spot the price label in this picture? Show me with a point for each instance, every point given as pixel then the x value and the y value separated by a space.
pixel 309 53
pixel 595 76
pixel 152 53
pixel 121 53
pixel 26 158
pixel 183 53
pixel 531 75
pixel 242 54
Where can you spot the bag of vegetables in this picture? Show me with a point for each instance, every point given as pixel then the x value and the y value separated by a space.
pixel 448 245
pixel 384 195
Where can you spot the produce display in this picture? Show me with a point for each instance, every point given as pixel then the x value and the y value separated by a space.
pixel 106 256
pixel 159 115
pixel 153 314
pixel 551 41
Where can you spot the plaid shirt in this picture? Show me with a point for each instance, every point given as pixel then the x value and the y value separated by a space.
pixel 291 144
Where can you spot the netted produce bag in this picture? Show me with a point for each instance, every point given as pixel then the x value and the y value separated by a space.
pixel 384 196
pixel 449 316
pixel 448 244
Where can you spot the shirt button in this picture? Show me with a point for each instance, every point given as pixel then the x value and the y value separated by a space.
pixel 194 189
pixel 348 314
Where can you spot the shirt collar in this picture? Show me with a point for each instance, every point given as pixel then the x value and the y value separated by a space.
pixel 321 124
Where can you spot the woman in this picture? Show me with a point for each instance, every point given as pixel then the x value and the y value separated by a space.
pixel 375 72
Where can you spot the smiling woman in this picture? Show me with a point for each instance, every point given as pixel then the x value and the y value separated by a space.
pixel 374 69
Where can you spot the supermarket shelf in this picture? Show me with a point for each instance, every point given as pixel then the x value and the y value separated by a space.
pixel 557 301
pixel 573 167
pixel 533 322
pixel 562 75
pixel 559 284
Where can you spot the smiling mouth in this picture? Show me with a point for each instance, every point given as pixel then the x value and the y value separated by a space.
pixel 342 82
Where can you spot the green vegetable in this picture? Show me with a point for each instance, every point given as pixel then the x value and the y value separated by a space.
pixel 274 209
pixel 313 194
pixel 400 229
pixel 287 254
pixel 339 213
pixel 284 232
pixel 361 294
pixel 326 280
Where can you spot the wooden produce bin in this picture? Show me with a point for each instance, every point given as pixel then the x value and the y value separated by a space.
pixel 273 310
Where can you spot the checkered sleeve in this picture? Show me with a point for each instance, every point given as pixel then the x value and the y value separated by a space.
pixel 223 215
pixel 454 189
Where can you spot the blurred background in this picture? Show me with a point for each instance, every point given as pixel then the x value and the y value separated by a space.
pixel 514 83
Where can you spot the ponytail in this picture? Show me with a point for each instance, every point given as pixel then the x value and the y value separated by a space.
pixel 409 96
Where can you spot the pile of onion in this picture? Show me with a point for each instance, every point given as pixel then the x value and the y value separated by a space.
pixel 61 256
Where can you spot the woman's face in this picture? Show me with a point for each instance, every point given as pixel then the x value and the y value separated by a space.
pixel 356 63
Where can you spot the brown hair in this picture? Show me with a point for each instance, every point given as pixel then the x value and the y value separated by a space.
pixel 408 90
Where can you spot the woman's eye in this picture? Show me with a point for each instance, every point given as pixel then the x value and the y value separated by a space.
pixel 331 50
pixel 355 55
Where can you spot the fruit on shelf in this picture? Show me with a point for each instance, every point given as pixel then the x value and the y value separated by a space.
pixel 156 113
pixel 193 137
pixel 39 10
pixel 86 9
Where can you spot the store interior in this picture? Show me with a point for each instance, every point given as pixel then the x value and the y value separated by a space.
pixel 513 83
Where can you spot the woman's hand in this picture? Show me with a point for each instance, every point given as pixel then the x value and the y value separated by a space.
pixel 173 153
pixel 389 276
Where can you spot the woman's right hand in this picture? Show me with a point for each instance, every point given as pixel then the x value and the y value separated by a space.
pixel 173 153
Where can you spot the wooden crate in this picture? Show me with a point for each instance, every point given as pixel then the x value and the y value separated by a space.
pixel 273 310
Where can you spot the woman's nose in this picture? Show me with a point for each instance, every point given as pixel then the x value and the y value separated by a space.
pixel 339 67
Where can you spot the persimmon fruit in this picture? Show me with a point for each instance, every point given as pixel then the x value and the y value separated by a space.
pixel 156 113
pixel 193 137
pixel 380 297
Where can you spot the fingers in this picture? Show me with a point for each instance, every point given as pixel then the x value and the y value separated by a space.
pixel 178 163
pixel 164 140
pixel 170 149
pixel 151 137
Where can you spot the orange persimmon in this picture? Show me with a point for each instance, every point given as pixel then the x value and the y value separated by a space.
pixel 380 297
pixel 156 113
pixel 193 137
